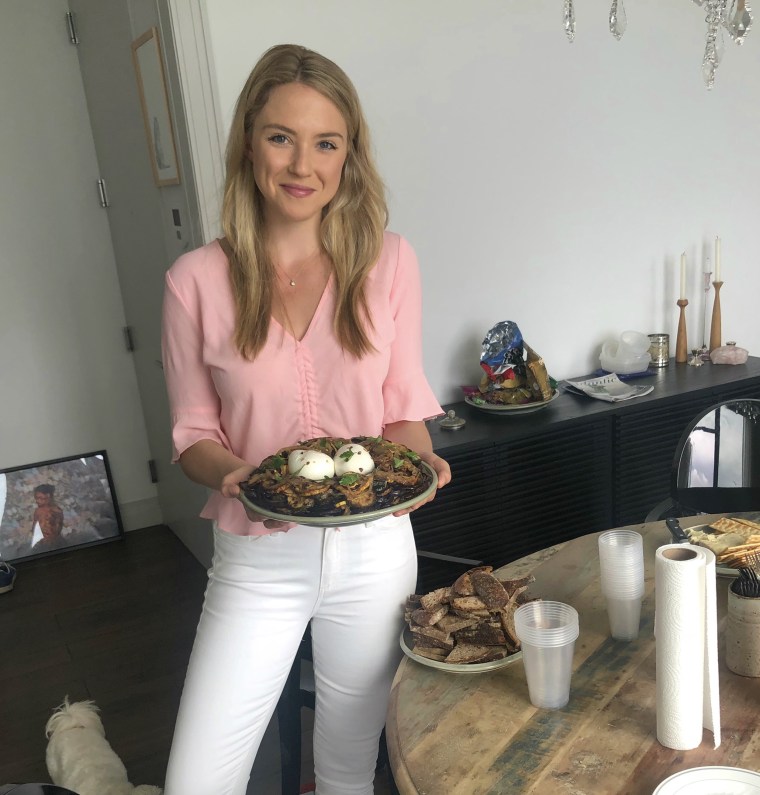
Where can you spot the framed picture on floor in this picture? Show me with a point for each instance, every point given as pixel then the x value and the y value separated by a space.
pixel 57 506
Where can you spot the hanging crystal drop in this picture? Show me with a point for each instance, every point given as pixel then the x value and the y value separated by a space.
pixel 708 73
pixel 710 61
pixel 569 18
pixel 720 46
pixel 739 21
pixel 618 21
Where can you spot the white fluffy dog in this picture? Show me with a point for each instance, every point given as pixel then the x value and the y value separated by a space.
pixel 79 756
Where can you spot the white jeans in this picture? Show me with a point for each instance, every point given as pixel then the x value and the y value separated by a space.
pixel 263 590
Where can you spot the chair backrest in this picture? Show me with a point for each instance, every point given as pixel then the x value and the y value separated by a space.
pixel 716 468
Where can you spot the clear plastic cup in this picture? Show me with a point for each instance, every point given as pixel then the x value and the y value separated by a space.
pixel 621 562
pixel 547 632
pixel 625 617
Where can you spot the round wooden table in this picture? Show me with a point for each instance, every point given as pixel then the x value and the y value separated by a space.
pixel 470 734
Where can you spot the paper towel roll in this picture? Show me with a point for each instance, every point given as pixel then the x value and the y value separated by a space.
pixel 686 629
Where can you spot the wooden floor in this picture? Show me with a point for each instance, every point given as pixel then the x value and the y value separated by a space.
pixel 113 623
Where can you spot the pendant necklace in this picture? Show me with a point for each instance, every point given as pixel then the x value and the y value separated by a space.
pixel 292 279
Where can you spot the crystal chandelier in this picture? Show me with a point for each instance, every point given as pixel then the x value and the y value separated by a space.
pixel 735 16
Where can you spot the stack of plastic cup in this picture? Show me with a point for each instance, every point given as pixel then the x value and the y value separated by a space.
pixel 547 633
pixel 621 558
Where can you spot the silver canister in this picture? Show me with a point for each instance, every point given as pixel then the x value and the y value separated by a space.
pixel 659 349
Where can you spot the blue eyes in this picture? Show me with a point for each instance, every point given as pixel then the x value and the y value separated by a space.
pixel 279 139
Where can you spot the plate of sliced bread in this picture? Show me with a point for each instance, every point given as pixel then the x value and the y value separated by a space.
pixel 467 627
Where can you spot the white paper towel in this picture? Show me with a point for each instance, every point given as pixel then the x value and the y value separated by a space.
pixel 686 630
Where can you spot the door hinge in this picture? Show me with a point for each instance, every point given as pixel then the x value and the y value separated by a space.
pixel 153 471
pixel 103 193
pixel 71 22
pixel 129 340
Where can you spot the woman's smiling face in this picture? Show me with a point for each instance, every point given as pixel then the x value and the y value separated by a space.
pixel 298 147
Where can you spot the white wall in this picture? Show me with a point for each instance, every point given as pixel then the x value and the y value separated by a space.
pixel 67 383
pixel 544 182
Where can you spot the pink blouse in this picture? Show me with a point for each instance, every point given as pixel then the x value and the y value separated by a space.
pixel 292 390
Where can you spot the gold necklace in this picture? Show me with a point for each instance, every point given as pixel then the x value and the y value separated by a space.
pixel 292 279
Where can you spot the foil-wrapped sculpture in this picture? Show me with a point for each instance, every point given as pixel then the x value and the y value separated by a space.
pixel 513 373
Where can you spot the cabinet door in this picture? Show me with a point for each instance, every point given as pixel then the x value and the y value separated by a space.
pixel 509 499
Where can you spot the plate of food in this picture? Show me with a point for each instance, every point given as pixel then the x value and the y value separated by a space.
pixel 509 408
pixel 734 541
pixel 466 628
pixel 333 481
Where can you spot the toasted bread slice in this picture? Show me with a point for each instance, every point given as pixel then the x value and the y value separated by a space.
pixel 463 584
pixel 468 603
pixel 426 618
pixel 423 639
pixel 471 653
pixel 489 589
pixel 485 634
pixel 510 586
pixel 435 598
pixel 431 653
pixel 452 623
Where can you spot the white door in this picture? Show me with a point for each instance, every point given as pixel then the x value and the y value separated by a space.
pixel 150 227
pixel 67 383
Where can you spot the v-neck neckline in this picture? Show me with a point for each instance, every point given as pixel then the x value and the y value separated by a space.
pixel 288 333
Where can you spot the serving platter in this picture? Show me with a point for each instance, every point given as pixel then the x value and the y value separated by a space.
pixel 455 668
pixel 711 781
pixel 508 408
pixel 347 519
pixel 720 571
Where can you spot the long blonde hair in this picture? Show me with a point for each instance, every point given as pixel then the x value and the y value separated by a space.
pixel 351 231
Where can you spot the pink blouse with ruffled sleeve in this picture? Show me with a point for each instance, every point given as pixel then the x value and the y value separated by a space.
pixel 292 390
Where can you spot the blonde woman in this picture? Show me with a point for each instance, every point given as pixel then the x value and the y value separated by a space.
pixel 303 321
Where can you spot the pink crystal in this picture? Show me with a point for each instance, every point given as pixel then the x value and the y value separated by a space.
pixel 728 354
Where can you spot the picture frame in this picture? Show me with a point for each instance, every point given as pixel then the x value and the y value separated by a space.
pixel 154 101
pixel 58 505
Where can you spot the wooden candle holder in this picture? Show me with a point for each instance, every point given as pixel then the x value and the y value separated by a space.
pixel 715 332
pixel 681 345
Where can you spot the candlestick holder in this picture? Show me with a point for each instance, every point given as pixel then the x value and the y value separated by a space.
pixel 681 344
pixel 715 332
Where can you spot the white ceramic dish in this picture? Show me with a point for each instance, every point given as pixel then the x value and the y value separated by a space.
pixel 506 408
pixel 711 781
pixel 454 668
pixel 353 518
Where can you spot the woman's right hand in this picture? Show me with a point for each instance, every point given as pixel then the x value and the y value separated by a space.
pixel 231 488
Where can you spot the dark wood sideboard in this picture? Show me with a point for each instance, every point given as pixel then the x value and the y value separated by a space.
pixel 522 483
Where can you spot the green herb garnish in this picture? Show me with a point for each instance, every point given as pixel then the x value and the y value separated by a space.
pixel 412 456
pixel 398 462
pixel 347 455
pixel 348 479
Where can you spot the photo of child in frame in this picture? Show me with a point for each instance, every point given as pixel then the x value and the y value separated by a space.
pixel 57 505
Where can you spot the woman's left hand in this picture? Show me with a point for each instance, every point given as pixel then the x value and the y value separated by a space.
pixel 442 469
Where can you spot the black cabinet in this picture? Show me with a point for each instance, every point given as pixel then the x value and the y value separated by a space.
pixel 524 482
